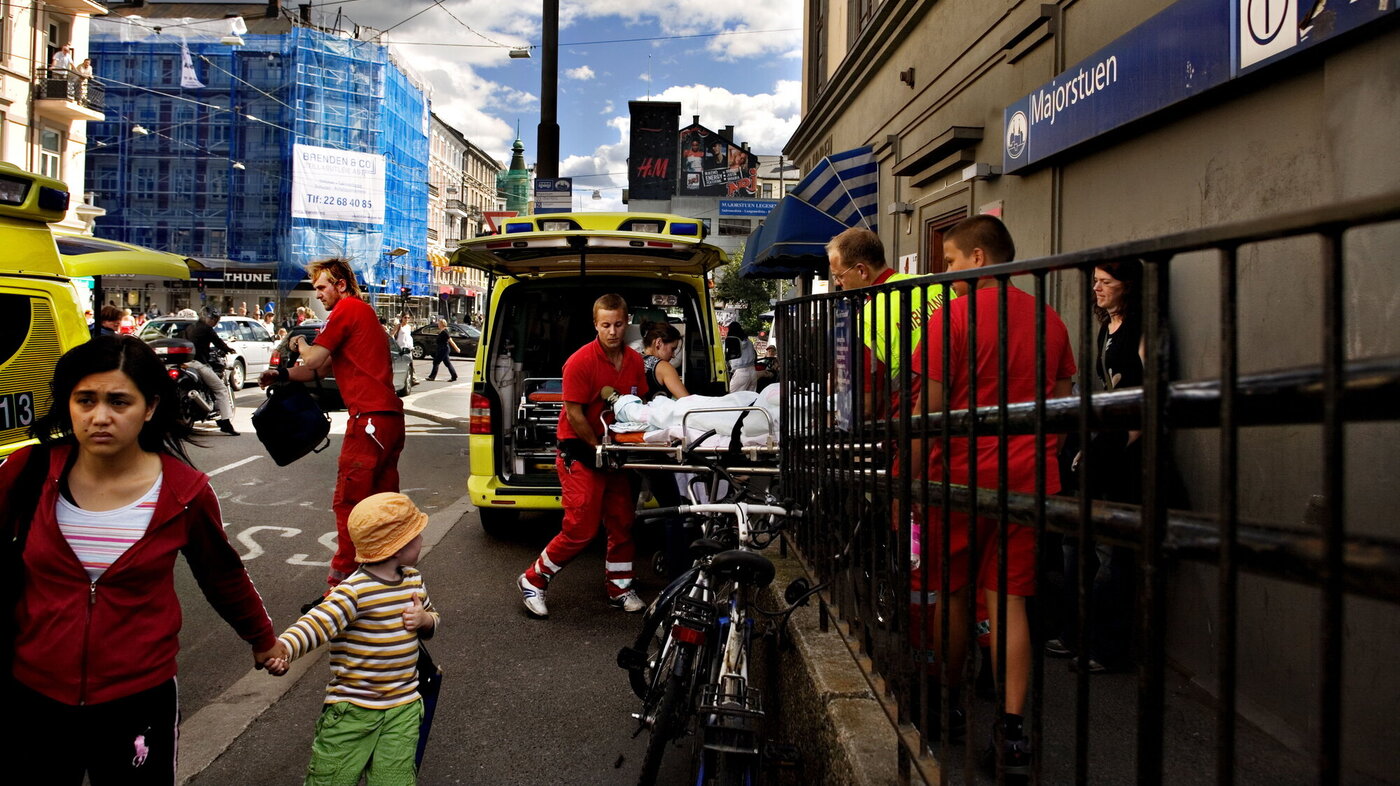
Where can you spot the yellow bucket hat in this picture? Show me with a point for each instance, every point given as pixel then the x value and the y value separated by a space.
pixel 382 524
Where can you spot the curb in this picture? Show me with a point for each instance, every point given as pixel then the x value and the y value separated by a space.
pixel 829 710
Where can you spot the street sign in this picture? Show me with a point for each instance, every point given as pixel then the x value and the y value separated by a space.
pixel 746 207
pixel 554 194
pixel 1190 47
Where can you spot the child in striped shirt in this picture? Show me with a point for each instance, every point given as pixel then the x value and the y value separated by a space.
pixel 373 620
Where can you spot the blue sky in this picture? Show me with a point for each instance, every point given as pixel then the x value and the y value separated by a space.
pixel 748 76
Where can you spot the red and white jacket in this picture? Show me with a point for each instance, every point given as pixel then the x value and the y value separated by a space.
pixel 86 642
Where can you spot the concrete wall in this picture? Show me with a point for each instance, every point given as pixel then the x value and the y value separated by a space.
pixel 1306 133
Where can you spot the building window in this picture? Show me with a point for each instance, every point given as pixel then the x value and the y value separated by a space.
pixel 816 78
pixel 51 153
pixel 767 190
pixel 735 226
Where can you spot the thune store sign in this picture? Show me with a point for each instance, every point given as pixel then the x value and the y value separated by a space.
pixel 1189 48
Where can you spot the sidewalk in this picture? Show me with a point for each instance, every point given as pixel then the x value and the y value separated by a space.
pixel 448 403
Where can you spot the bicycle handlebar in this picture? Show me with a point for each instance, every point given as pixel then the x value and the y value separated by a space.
pixel 733 508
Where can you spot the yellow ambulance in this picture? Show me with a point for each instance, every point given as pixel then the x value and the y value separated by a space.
pixel 545 272
pixel 41 315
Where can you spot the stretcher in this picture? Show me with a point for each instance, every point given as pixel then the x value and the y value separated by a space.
pixel 651 450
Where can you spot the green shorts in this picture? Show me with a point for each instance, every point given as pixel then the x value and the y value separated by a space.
pixel 350 739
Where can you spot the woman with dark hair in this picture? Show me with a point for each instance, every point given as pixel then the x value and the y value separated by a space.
pixel 113 500
pixel 660 340
pixel 1115 471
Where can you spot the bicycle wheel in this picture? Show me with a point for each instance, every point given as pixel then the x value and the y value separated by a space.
pixel 669 719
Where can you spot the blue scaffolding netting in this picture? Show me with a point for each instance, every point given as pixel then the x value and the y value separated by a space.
pixel 198 160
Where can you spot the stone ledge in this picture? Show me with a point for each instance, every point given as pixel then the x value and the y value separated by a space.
pixel 828 709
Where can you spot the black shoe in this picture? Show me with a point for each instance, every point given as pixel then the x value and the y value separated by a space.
pixel 430 379
pixel 957 719
pixel 1015 759
pixel 1095 667
pixel 454 379
pixel 227 427
pixel 1056 648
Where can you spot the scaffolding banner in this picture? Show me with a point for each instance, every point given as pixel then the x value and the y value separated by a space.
pixel 337 185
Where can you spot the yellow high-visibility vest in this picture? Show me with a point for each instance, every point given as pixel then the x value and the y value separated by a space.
pixel 886 348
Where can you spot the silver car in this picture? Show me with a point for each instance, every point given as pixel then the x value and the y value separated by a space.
pixel 249 339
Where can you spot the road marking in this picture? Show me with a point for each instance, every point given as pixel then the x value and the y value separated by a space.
pixel 255 550
pixel 328 539
pixel 206 734
pixel 234 465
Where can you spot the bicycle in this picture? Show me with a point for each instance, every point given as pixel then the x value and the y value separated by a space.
pixel 690 663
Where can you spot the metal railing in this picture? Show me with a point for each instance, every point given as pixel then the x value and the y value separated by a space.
pixel 66 85
pixel 850 432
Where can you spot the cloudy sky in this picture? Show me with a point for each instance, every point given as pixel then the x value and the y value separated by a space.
pixel 732 62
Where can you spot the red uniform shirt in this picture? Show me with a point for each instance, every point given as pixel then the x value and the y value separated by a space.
pixel 1020 384
pixel 360 357
pixel 587 372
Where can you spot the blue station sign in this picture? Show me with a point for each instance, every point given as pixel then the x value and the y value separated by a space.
pixel 1187 49
pixel 746 207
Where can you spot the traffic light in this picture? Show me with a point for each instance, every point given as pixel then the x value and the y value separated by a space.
pixel 403 291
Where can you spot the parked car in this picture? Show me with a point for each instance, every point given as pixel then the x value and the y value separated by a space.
pixel 250 340
pixel 466 337
pixel 328 393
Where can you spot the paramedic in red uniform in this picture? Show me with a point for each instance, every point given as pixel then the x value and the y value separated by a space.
pixel 592 496
pixel 352 343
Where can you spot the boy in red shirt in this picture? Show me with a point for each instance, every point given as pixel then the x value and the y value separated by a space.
pixel 592 497
pixel 977 242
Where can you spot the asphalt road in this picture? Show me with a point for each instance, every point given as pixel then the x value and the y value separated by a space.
pixel 524 701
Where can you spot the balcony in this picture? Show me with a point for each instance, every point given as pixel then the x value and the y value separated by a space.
pixel 458 208
pixel 60 93
pixel 451 243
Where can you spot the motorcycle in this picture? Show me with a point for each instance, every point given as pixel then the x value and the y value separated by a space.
pixel 196 400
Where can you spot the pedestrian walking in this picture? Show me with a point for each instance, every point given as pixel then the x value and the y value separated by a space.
pixel 403 338
pixel 111 500
pixel 593 497
pixel 352 343
pixel 441 355
pixel 373 620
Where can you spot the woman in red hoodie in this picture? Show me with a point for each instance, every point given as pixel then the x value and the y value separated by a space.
pixel 98 620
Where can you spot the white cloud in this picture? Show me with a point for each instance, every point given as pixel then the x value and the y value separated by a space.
pixel 765 120
pixel 693 17
pixel 582 72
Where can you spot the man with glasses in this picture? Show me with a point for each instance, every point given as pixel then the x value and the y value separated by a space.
pixel 857 259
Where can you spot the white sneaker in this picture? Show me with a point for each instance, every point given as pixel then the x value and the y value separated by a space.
pixel 628 602
pixel 533 597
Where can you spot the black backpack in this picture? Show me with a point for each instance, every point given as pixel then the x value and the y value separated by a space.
pixel 290 423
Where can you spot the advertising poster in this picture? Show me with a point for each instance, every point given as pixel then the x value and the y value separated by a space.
pixel 651 162
pixel 713 166
pixel 337 185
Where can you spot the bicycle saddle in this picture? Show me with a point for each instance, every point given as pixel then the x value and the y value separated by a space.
pixel 746 566
pixel 704 547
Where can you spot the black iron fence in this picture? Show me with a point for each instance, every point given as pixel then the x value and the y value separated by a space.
pixel 866 430
pixel 66 84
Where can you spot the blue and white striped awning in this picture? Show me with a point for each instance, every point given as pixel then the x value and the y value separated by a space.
pixel 844 186
pixel 841 192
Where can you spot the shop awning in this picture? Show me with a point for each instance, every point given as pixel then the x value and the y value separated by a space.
pixel 841 192
pixel 85 255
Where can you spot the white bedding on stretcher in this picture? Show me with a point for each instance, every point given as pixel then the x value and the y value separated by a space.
pixel 661 419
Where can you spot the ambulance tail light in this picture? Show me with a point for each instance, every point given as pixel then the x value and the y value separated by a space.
pixel 481 415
